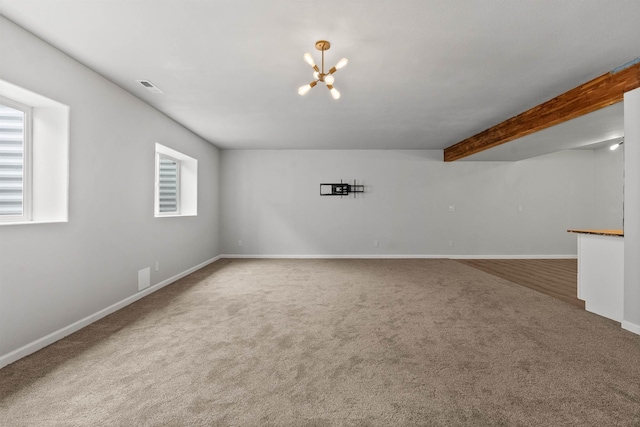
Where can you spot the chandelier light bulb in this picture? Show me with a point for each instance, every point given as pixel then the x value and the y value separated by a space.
pixel 316 75
pixel 342 63
pixel 309 59
pixel 334 92
pixel 329 79
pixel 304 89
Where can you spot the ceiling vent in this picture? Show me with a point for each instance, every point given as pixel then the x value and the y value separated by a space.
pixel 149 86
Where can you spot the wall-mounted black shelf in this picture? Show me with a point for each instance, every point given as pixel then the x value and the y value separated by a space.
pixel 342 189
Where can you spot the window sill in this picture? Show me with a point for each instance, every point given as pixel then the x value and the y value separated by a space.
pixel 32 222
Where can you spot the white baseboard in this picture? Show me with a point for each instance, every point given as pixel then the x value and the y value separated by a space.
pixel 631 327
pixel 395 256
pixel 324 256
pixel 40 343
pixel 537 256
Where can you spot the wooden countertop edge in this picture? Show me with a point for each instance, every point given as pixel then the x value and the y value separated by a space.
pixel 618 233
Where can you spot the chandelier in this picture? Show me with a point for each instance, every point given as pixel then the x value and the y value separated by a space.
pixel 319 75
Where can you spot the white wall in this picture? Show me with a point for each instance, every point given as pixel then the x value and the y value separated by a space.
pixel 608 178
pixel 270 200
pixel 52 275
pixel 632 211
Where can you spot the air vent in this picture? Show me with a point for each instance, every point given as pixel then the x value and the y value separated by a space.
pixel 149 86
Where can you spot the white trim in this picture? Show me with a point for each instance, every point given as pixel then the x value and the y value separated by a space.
pixel 631 327
pixel 32 222
pixel 394 256
pixel 173 215
pixel 40 343
pixel 537 256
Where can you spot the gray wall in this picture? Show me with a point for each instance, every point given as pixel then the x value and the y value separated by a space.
pixel 270 200
pixel 52 275
pixel 608 186
pixel 631 317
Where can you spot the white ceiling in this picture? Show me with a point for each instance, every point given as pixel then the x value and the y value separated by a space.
pixel 421 74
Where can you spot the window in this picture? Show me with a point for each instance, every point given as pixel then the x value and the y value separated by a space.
pixel 34 157
pixel 15 164
pixel 168 185
pixel 176 183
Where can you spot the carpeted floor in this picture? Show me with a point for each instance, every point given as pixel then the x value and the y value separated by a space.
pixel 334 342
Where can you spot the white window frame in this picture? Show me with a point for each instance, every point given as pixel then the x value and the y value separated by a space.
pixel 159 158
pixel 187 182
pixel 27 163
pixel 48 156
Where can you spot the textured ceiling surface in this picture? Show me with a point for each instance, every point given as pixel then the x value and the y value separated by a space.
pixel 421 74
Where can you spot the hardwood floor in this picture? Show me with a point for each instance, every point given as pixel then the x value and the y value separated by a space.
pixel 555 277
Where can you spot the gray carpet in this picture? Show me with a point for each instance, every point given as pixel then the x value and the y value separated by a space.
pixel 334 343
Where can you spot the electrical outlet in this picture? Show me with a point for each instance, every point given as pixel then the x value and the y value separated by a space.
pixel 450 243
pixel 156 266
pixel 452 208
pixel 376 243
pixel 239 242
pixel 520 208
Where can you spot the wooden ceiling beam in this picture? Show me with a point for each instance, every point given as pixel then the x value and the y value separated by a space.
pixel 598 93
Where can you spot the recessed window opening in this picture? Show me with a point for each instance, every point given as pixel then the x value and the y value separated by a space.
pixel 176 183
pixel 34 157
